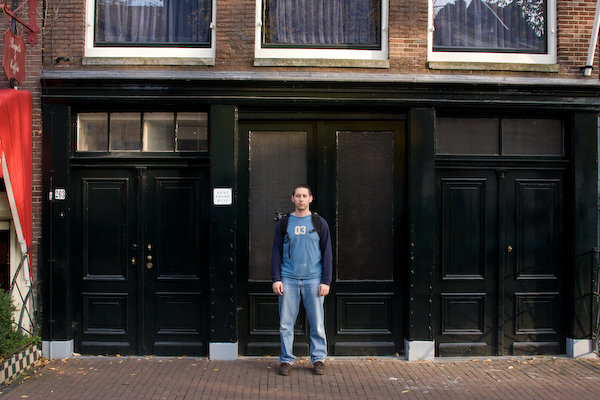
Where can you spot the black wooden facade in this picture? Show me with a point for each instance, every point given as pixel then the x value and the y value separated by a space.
pixel 463 212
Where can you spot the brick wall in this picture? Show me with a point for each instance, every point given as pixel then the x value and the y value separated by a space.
pixel 64 37
pixel 33 68
pixel 575 21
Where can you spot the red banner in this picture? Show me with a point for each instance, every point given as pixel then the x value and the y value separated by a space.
pixel 14 56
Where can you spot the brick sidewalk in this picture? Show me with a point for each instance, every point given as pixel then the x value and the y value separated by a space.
pixel 345 378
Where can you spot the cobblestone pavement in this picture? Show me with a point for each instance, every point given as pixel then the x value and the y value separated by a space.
pixel 346 378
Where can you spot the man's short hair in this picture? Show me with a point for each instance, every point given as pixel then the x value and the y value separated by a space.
pixel 302 186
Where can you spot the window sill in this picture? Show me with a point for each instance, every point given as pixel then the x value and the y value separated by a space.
pixel 148 61
pixel 484 66
pixel 320 62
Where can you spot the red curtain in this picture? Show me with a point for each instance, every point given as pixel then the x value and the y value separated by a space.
pixel 15 147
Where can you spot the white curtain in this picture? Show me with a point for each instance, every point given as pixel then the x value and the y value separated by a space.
pixel 490 25
pixel 352 23
pixel 138 22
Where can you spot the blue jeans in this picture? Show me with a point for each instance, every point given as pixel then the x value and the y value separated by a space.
pixel 289 304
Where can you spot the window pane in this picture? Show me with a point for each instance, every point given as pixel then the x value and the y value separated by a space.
pixel 532 137
pixel 159 131
pixel 365 164
pixel 467 136
pixel 92 132
pixel 125 131
pixel 277 161
pixel 192 131
pixel 322 23
pixel 153 22
pixel 490 25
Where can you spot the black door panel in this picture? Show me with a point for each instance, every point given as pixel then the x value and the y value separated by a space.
pixel 346 163
pixel 466 301
pixel 175 261
pixel 500 261
pixel 534 259
pixel 142 260
pixel 104 221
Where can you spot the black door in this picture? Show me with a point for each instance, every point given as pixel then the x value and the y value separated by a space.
pixel 467 260
pixel 533 250
pixel 500 261
pixel 140 252
pixel 356 170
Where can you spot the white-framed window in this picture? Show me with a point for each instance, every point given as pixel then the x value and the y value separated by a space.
pixel 150 28
pixel 322 29
pixel 492 31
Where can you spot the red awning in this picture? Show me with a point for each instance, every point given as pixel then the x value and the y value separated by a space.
pixel 15 149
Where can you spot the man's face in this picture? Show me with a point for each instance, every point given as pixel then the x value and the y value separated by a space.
pixel 301 199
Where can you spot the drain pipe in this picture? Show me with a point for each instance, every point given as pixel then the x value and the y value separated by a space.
pixel 587 69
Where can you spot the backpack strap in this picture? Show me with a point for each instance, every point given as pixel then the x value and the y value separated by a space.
pixel 285 218
pixel 317 223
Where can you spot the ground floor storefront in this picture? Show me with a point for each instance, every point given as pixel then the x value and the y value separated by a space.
pixel 462 211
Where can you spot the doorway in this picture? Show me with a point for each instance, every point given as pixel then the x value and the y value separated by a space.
pixel 502 252
pixel 356 171
pixel 4 258
pixel 140 252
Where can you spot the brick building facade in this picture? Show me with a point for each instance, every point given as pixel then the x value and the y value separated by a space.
pixel 458 145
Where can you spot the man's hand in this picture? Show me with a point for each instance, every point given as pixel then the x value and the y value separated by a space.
pixel 323 289
pixel 278 288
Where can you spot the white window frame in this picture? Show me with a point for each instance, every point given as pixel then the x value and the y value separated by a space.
pixel 144 52
pixel 331 54
pixel 491 57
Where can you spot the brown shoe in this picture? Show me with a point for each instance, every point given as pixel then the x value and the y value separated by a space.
pixel 284 369
pixel 319 368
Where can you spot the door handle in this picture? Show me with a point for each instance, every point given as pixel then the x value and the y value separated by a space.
pixel 132 260
pixel 510 249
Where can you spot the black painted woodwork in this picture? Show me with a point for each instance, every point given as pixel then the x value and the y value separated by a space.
pixel 466 284
pixel 223 138
pixel 364 92
pixel 274 157
pixel 421 223
pixel 57 289
pixel 341 160
pixel 364 165
pixel 584 214
pixel 502 257
pixel 141 260
pixel 271 189
pixel 315 98
pixel 365 229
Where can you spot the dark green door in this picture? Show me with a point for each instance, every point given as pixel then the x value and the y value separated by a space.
pixel 140 252
pixel 500 261
pixel 356 171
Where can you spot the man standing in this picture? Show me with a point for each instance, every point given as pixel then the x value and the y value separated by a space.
pixel 301 265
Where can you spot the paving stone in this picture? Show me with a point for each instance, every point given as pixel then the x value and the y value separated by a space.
pixel 160 378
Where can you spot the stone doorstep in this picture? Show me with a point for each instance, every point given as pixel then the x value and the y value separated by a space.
pixel 17 362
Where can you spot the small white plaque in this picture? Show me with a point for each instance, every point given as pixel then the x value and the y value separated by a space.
pixel 222 196
pixel 60 194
